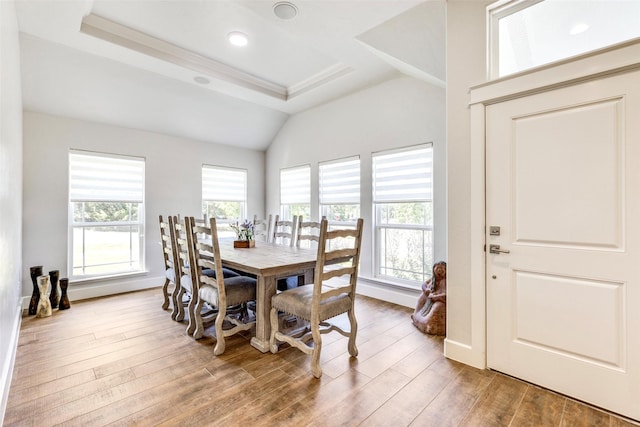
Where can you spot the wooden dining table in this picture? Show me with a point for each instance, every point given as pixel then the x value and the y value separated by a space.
pixel 268 262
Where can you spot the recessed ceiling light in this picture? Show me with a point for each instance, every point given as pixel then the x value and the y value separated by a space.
pixel 237 38
pixel 202 80
pixel 285 10
pixel 579 28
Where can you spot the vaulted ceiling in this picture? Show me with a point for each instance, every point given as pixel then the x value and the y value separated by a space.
pixel 166 66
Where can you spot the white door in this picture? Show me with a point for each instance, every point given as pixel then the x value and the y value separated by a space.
pixel 563 185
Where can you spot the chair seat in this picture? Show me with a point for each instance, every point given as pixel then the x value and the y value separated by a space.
pixel 297 301
pixel 227 273
pixel 185 281
pixel 239 289
pixel 170 274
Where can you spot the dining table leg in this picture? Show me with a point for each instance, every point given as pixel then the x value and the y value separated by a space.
pixel 308 276
pixel 265 291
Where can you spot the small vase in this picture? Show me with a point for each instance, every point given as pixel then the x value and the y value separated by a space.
pixel 244 243
pixel 54 275
pixel 44 305
pixel 35 296
pixel 64 298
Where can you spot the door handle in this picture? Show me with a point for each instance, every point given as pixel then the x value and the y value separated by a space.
pixel 495 249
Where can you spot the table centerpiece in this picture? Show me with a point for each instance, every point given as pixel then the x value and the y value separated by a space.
pixel 244 235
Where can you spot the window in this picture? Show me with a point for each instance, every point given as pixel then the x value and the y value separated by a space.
pixel 403 209
pixel 106 214
pixel 224 196
pixel 527 33
pixel 295 192
pixel 340 191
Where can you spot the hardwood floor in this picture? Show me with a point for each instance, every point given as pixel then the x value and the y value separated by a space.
pixel 121 360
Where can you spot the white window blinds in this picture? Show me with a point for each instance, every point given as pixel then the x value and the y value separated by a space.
pixel 105 178
pixel 224 184
pixel 340 181
pixel 403 175
pixel 295 185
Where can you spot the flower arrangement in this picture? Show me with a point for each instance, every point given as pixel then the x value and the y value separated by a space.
pixel 243 231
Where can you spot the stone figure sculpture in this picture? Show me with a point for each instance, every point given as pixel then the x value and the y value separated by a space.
pixel 430 315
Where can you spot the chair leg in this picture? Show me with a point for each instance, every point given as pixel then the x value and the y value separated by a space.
pixel 199 330
pixel 316 370
pixel 191 327
pixel 165 294
pixel 177 293
pixel 273 344
pixel 353 350
pixel 179 306
pixel 220 344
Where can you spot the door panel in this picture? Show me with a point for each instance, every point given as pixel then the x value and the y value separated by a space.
pixel 579 168
pixel 563 305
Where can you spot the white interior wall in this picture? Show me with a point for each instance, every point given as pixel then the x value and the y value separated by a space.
pixel 466 67
pixel 397 113
pixel 10 195
pixel 173 186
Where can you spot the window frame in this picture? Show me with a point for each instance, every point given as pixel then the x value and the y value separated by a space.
pixel 604 37
pixel 222 224
pixel 94 195
pixel 380 227
pixel 340 197
pixel 297 200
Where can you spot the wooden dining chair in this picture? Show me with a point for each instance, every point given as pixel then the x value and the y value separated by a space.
pixel 219 292
pixel 328 297
pixel 183 292
pixel 170 260
pixel 308 233
pixel 284 231
pixel 262 228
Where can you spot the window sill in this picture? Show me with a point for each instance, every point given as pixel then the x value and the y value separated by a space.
pixel 391 284
pixel 96 279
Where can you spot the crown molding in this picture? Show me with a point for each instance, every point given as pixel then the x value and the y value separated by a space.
pixel 325 76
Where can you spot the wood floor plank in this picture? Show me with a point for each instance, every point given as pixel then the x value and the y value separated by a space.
pixel 216 405
pixel 56 405
pixel 405 405
pixel 25 394
pixel 539 408
pixel 382 361
pixel 498 407
pixel 454 402
pixel 169 401
pixel 420 359
pixel 364 401
pixel 91 402
pixel 577 414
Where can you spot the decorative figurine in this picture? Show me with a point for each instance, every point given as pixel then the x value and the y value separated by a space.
pixel 44 305
pixel 430 315
pixel 64 298
pixel 35 296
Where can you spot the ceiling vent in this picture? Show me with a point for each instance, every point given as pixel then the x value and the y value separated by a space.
pixel 285 10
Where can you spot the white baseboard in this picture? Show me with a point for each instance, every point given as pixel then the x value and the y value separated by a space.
pixel 77 292
pixel 465 354
pixel 403 297
pixel 9 361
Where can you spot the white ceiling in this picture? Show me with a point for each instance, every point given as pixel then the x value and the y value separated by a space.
pixel 133 62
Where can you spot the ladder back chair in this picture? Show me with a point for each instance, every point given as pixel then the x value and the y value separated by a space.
pixel 308 234
pixel 262 228
pixel 170 260
pixel 184 284
pixel 322 301
pixel 219 292
pixel 284 231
